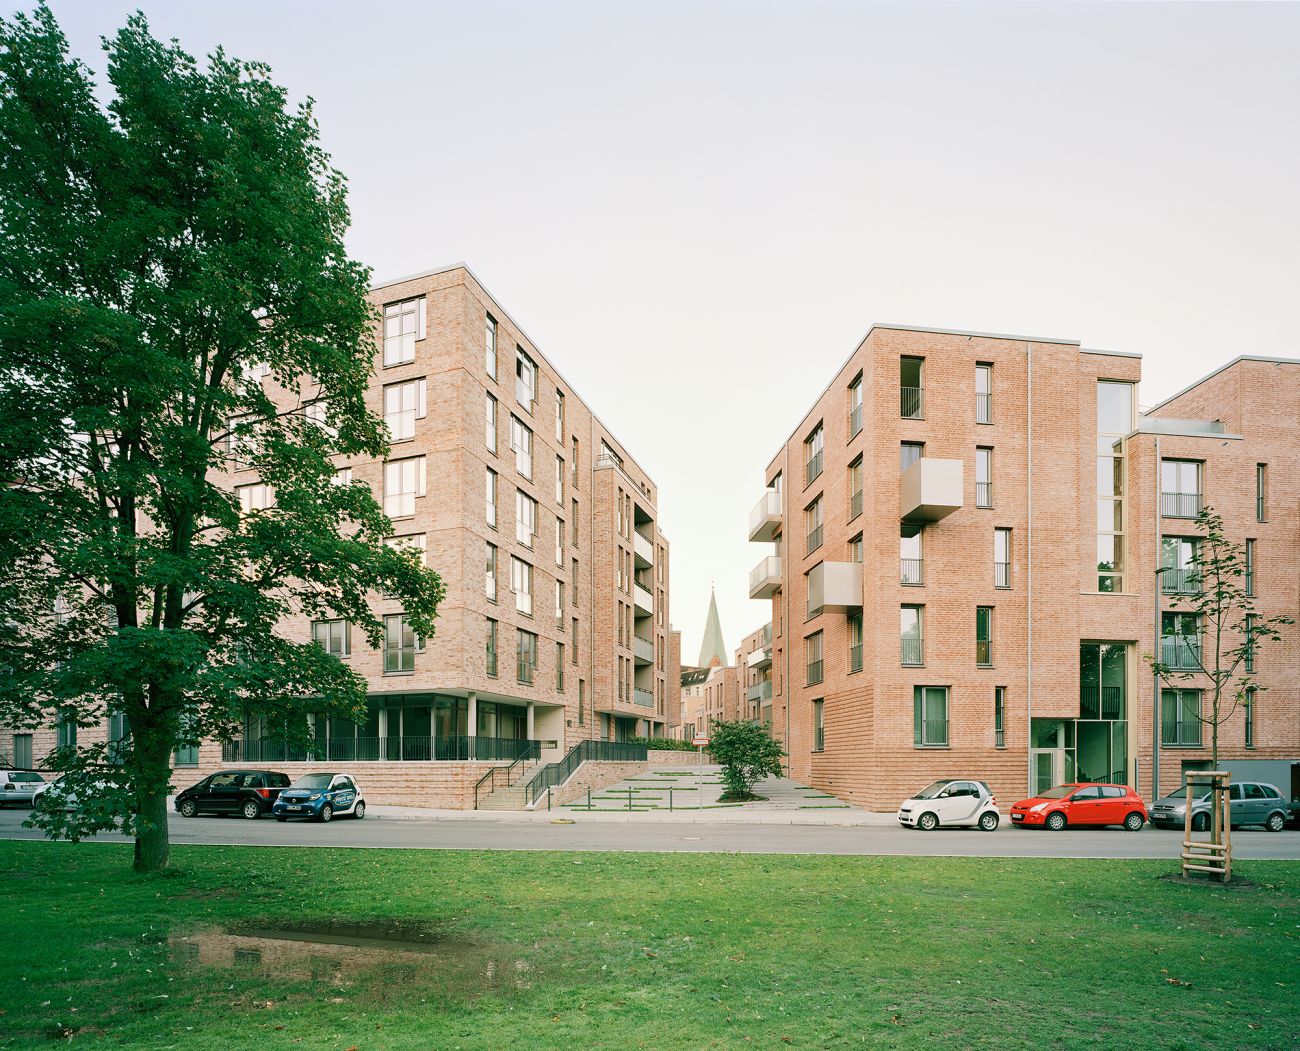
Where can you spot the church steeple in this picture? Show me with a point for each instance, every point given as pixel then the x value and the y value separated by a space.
pixel 712 650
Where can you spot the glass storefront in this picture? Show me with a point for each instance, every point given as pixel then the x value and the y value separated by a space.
pixel 1093 747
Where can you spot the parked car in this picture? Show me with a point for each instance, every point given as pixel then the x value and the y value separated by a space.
pixel 59 794
pixel 321 797
pixel 20 786
pixel 1249 803
pixel 1081 805
pixel 951 802
pixel 248 792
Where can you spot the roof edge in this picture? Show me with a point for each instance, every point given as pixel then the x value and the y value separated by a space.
pixel 1222 368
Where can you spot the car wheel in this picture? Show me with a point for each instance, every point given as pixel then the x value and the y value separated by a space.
pixel 1134 822
pixel 189 808
pixel 1275 823
pixel 1055 821
pixel 251 810
pixel 360 810
pixel 327 813
pixel 927 822
pixel 988 822
pixel 1200 822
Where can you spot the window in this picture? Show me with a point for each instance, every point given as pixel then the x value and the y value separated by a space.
pixel 1178 574
pixel 1250 568
pixel 930 716
pixel 559 481
pixel 1180 718
pixel 404 403
pixel 403 325
pixel 812 646
pixel 403 482
pixel 525 518
pixel 855 549
pixel 855 407
pixel 525 379
pixel 819 726
pixel 490 579
pixel 574 655
pixel 983 392
pixel 333 636
pixel 1114 423
pixel 559 416
pixel 573 461
pixel 521 583
pixel 984 636
pixel 910 636
pixel 999 717
pixel 23 751
pixel 559 542
pixel 400 645
pixel 983 476
pixel 317 413
pixel 491 656
pixel 573 518
pixel 909 453
pixel 911 400
pixel 812 455
pixel 254 497
pixel 582 701
pixel 559 667
pixel 1250 643
pixel 575 582
pixel 525 656
pixel 854 621
pixel 559 605
pixel 414 542
pixel 1180 488
pixel 1180 640
pixel 855 488
pixel 343 476
pixel 65 730
pixel 1249 705
pixel 241 439
pixel 490 424
pixel 911 563
pixel 1002 558
pixel 813 524
pixel 1261 492
pixel 490 515
pixel 521 441
pixel 490 346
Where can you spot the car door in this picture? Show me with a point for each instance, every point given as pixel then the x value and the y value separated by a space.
pixel 1257 803
pixel 1085 807
pixel 1114 805
pixel 964 802
pixel 222 793
pixel 1238 809
pixel 345 793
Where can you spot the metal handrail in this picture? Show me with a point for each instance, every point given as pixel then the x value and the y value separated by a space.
pixel 491 775
pixel 554 774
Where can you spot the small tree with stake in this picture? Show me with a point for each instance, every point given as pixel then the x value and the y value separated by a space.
pixel 746 753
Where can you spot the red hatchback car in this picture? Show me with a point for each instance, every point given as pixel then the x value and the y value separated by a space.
pixel 1082 805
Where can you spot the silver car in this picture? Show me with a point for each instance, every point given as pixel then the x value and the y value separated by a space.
pixel 20 786
pixel 1249 803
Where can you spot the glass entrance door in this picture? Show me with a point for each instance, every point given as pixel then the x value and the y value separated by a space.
pixel 1049 768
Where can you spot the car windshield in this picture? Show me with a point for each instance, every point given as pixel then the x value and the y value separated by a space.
pixel 313 781
pixel 1181 793
pixel 1059 792
pixel 930 791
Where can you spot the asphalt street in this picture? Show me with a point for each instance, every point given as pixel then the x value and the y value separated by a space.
pixel 650 835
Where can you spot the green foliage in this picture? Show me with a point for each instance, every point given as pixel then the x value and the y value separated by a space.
pixel 664 744
pixel 155 254
pixel 746 752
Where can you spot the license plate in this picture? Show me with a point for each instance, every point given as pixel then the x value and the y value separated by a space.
pixel 1017 817
pixel 295 808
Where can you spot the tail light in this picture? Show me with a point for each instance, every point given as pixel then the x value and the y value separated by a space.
pixel 994 802
pixel 265 793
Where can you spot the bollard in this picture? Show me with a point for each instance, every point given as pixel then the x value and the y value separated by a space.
pixel 629 799
pixel 548 800
pixel 670 800
pixel 588 798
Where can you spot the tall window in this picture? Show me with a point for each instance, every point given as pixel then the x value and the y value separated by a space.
pixel 490 580
pixel 1250 643
pixel 521 441
pixel 1002 558
pixel 23 751
pixel 490 346
pixel 984 636
pixel 1250 568
pixel 333 636
pixel 491 511
pixel 404 403
pixel 559 667
pixel 855 550
pixel 1180 640
pixel 813 524
pixel 318 413
pixel 400 645
pixel 1261 492
pixel 1114 423
pixel 812 647
pixel 573 520
pixel 1180 717
pixel 812 455
pixel 521 583
pixel 255 497
pixel 854 621
pixel 559 481
pixel 525 518
pixel 525 379
pixel 559 416
pixel 910 636
pixel 930 716
pixel 65 730
pixel 911 388
pixel 855 406
pixel 490 424
pixel 855 488
pixel 1180 488
pixel 999 717
pixel 403 482
pixel 1178 565
pixel 983 476
pixel 491 657
pixel 983 393
pixel 525 656
pixel 403 325
pixel 559 605
pixel 819 726
pixel 559 542
pixel 910 558
pixel 909 453
pixel 1249 705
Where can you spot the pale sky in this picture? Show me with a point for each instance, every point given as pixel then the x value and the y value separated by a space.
pixel 696 210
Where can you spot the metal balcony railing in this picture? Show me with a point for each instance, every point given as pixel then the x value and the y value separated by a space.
pixel 814 673
pixel 855 420
pixel 911 571
pixel 983 494
pixel 1001 574
pixel 1181 651
pixel 760 691
pixel 554 774
pixel 855 505
pixel 380 749
pixel 524 671
pixel 911 651
pixel 983 408
pixel 644 698
pixel 814 540
pixel 492 662
pixel 984 652
pixel 1105 702
pixel 1180 505
pixel 855 657
pixel 812 468
pixel 911 402
pixel 1183 581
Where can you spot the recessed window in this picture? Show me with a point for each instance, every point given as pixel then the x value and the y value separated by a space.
pixel 490 577
pixel 983 393
pixel 403 482
pixel 819 725
pixel 491 656
pixel 490 346
pixel 909 453
pixel 525 656
pixel 812 455
pixel 930 716
pixel 413 542
pixel 999 717
pixel 403 325
pixel 559 417
pixel 813 524
pixel 525 379
pixel 1261 492
pixel 333 636
pixel 910 558
pixel 1249 705
pixel 911 388
pixel 490 424
pixel 404 403
pixel 491 507
pixel 1002 558
pixel 521 583
pixel 1180 640
pixel 1180 718
pixel 813 658
pixel 855 488
pixel 400 645
pixel 983 477
pixel 855 406
pixel 911 640
pixel 854 622
pixel 1250 568
pixel 1180 488
pixel 525 518
pixel 984 636
pixel 257 497
pixel 521 441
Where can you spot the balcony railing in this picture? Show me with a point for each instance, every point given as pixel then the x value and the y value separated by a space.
pixel 642 598
pixel 644 649
pixel 855 420
pixel 855 505
pixel 1181 651
pixel 1106 702
pixel 1180 505
pixel 984 652
pixel 765 518
pixel 911 651
pixel 760 691
pixel 524 671
pixel 812 468
pixel 911 571
pixel 983 494
pixel 983 408
pixel 645 698
pixel 814 673
pixel 1001 574
pixel 1183 581
pixel 381 749
pixel 911 402
pixel 814 540
pixel 855 657
pixel 765 578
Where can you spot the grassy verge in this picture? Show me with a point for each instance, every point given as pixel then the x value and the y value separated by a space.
pixel 562 950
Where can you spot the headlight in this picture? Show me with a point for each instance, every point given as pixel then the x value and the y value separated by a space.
pixel 1037 808
pixel 314 795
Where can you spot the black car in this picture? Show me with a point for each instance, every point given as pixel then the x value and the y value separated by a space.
pixel 246 792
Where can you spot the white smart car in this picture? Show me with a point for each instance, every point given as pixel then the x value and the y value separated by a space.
pixel 952 802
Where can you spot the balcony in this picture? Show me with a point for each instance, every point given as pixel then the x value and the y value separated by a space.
pixel 644 549
pixel 1182 652
pixel 983 494
pixel 812 468
pixel 930 490
pixel 643 600
pixel 765 578
pixel 855 421
pixel 644 650
pixel 1181 581
pixel 911 571
pixel 814 539
pixel 644 698
pixel 1180 505
pixel 835 585
pixel 911 651
pixel 1001 574
pixel 765 519
pixel 760 691
pixel 760 658
pixel 911 403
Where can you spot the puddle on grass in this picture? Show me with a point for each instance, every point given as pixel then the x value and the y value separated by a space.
pixel 340 953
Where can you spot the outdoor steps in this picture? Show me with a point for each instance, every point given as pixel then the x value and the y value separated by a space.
pixel 511 797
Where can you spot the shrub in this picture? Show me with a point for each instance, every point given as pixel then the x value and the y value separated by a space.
pixel 746 753
pixel 663 744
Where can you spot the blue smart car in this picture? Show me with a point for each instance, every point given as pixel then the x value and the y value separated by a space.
pixel 321 797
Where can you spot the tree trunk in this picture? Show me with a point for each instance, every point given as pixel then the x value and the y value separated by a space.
pixel 152 777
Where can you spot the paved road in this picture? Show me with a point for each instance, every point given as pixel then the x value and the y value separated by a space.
pixel 649 835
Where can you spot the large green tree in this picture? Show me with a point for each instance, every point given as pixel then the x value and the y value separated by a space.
pixel 159 249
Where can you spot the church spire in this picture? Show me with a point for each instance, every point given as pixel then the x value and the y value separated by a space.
pixel 713 650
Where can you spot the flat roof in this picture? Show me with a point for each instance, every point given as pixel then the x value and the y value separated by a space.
pixel 1222 368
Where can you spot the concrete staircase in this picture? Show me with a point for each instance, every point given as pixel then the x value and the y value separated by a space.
pixel 512 797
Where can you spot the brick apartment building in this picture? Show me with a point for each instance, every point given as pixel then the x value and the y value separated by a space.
pixel 966 532
pixel 754 664
pixel 544 528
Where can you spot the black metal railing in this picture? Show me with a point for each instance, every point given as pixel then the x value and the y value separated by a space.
pixel 911 571
pixel 855 420
pixel 855 505
pixel 1001 574
pixel 855 657
pixel 983 494
pixel 911 402
pixel 507 775
pixel 1180 505
pixel 812 468
pixel 984 652
pixel 379 749
pixel 1180 581
pixel 814 673
pixel 554 774
pixel 911 651
pixel 814 539
pixel 1105 702
pixel 983 408
pixel 1180 651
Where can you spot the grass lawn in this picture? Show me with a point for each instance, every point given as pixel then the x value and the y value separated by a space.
pixel 662 951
